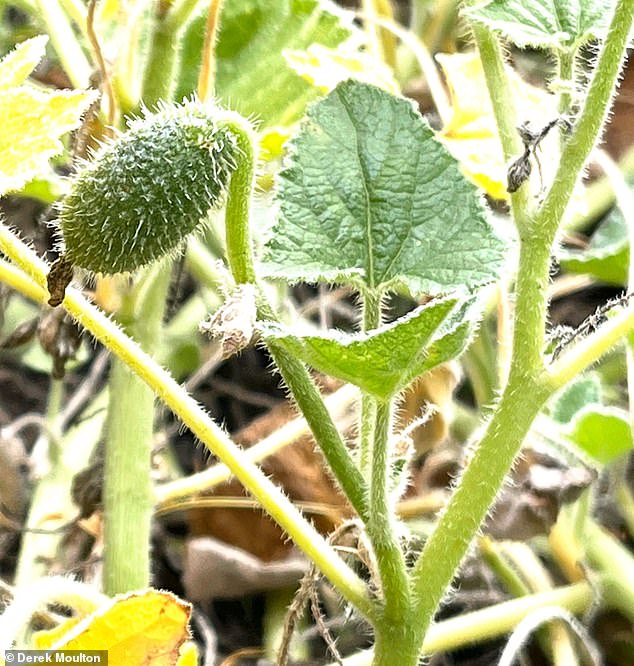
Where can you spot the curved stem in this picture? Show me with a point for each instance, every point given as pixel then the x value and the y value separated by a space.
pixel 528 387
pixel 202 426
pixel 294 373
pixel 239 252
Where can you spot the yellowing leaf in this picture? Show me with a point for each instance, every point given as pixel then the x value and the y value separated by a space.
pixel 471 134
pixel 188 655
pixel 17 65
pixel 324 67
pixel 31 122
pixel 144 629
pixel 44 640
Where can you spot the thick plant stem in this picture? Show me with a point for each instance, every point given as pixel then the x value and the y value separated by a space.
pixel 240 257
pixel 476 491
pixel 128 496
pixel 527 389
pixel 524 395
pixel 281 509
pixel 395 643
pixel 128 490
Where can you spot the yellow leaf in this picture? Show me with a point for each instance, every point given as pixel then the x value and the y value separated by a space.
pixel 324 68
pixel 188 655
pixel 44 640
pixel 139 629
pixel 31 122
pixel 17 65
pixel 471 134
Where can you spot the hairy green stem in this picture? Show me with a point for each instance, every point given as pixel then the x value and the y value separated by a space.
pixel 181 13
pixel 376 426
pixel 492 622
pixel 165 50
pixel 527 389
pixel 502 100
pixel 371 320
pixel 591 120
pixel 566 80
pixel 237 234
pixel 128 490
pixel 280 508
pixel 382 528
pixel 158 79
pixel 294 373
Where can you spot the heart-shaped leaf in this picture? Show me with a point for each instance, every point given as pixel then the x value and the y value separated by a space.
pixel 370 198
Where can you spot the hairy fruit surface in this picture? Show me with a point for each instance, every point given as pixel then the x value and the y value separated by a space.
pixel 145 192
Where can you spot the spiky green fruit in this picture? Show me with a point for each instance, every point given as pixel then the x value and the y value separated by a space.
pixel 148 189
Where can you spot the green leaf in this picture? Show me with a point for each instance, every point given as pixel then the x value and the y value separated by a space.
pixel 385 360
pixel 607 255
pixel 31 121
pixel 582 392
pixel 369 197
pixel 253 76
pixel 554 24
pixel 604 433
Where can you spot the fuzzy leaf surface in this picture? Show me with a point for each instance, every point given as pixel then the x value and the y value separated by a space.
pixel 32 121
pixel 579 394
pixel 558 24
pixel 17 65
pixel 386 359
pixel 370 198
